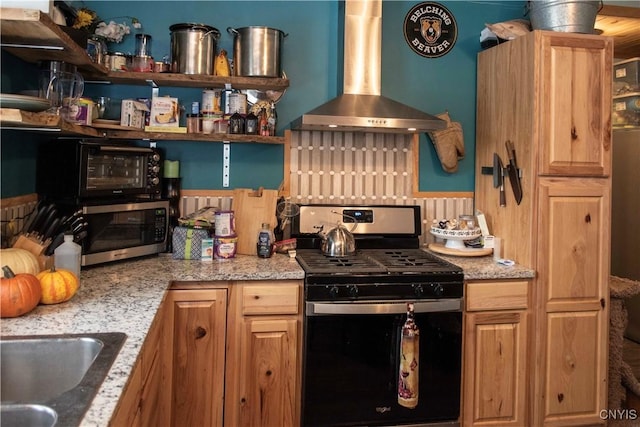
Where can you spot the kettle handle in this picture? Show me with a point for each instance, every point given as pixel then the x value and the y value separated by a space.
pixel 342 214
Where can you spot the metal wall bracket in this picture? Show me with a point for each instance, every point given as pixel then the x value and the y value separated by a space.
pixel 155 90
pixel 226 164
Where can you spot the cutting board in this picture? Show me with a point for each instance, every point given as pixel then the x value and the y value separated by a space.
pixel 251 209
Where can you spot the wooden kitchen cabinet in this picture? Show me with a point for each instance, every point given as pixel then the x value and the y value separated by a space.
pixel 140 404
pixel 549 93
pixel 265 339
pixel 232 353
pixel 194 357
pixel 495 353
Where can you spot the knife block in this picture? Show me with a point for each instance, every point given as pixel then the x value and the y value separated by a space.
pixel 37 248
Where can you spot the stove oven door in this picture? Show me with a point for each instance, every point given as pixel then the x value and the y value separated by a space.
pixel 351 364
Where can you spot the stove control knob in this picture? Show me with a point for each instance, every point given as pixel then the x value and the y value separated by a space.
pixel 437 289
pixel 353 290
pixel 418 290
pixel 333 291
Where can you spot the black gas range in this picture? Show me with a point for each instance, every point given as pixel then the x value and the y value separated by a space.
pixel 389 274
pixel 387 264
pixel 355 307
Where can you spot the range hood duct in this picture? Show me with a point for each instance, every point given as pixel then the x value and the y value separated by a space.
pixel 361 108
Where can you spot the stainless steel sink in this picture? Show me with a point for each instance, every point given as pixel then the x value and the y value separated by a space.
pixel 28 415
pixel 54 375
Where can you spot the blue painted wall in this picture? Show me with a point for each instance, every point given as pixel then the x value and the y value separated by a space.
pixel 312 60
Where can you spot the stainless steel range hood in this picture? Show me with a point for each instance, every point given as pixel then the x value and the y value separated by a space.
pixel 361 108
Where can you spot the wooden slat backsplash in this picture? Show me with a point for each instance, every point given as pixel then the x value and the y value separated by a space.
pixel 333 167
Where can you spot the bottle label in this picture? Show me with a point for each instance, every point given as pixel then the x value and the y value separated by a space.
pixel 264 245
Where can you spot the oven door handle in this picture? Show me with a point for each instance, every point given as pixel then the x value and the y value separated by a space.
pixel 382 307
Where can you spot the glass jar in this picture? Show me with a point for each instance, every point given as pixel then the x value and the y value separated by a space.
pixel 194 123
pixel 208 120
pixel 97 48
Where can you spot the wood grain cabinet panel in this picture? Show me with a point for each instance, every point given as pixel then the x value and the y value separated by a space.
pixel 550 94
pixel 495 354
pixel 575 91
pixel 197 328
pixel 231 355
pixel 141 401
pixel 265 337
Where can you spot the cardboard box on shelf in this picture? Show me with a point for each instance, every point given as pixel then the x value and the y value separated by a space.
pixel 165 112
pixel 133 113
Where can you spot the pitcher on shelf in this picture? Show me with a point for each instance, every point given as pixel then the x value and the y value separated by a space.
pixel 61 84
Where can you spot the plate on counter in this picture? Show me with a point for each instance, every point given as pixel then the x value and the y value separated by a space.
pixel 24 102
pixel 468 252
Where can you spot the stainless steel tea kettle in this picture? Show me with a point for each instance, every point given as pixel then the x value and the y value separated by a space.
pixel 338 241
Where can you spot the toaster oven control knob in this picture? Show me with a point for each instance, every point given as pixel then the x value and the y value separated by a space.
pixel 437 289
pixel 155 168
pixel 334 291
pixel 353 290
pixel 155 180
pixel 155 157
pixel 418 290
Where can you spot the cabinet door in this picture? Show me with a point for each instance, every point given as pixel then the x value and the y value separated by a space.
pixel 495 356
pixel 495 361
pixel 575 104
pixel 573 271
pixel 268 373
pixel 197 323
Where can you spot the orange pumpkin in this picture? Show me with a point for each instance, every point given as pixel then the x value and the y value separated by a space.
pixel 57 285
pixel 19 293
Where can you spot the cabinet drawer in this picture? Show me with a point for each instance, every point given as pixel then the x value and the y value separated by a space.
pixel 270 299
pixel 497 295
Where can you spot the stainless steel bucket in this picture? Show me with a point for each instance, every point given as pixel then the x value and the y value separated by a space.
pixel 193 48
pixel 570 16
pixel 257 51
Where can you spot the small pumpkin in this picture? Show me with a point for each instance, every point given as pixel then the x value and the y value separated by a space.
pixel 58 285
pixel 19 293
pixel 20 261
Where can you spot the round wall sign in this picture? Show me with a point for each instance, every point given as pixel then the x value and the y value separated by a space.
pixel 430 29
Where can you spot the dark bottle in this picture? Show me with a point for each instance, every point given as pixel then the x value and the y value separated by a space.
pixel 265 240
pixel 251 124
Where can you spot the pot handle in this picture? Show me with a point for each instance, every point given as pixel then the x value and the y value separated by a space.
pixel 216 34
pixel 232 31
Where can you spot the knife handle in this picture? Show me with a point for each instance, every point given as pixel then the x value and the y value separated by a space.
pixel 503 200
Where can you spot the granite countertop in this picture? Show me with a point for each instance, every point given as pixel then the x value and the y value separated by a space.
pixel 125 296
pixel 485 268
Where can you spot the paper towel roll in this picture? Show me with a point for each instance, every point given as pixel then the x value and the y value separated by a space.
pixel 171 169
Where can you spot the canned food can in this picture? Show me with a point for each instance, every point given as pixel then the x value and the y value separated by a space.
pixel 224 223
pixel 212 100
pixel 224 247
pixel 237 103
